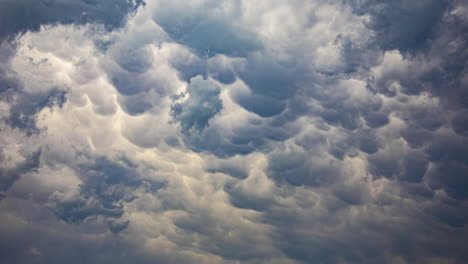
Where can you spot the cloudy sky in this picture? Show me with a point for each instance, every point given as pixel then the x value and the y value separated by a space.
pixel 233 131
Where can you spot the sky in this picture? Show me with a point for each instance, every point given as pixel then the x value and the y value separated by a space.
pixel 233 131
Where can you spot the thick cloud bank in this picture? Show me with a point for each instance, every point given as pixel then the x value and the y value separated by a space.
pixel 233 131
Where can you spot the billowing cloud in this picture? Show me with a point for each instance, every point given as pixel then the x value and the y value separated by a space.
pixel 202 104
pixel 233 131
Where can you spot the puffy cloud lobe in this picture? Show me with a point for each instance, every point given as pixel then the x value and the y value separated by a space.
pixel 403 25
pixel 207 27
pixel 411 167
pixel 203 103
pixel 9 176
pixel 135 60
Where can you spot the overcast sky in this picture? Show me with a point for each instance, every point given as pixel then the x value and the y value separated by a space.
pixel 233 131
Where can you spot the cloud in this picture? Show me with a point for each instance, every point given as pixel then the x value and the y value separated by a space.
pixel 403 25
pixel 203 103
pixel 233 131
pixel 207 27
pixel 105 187
pixel 21 16
pixel 10 175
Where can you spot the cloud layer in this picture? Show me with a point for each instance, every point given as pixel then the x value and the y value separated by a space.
pixel 233 131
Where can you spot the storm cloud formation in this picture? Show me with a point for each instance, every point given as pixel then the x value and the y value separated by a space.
pixel 233 131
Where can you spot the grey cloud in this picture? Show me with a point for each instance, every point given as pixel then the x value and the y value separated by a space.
pixel 135 60
pixel 449 212
pixel 232 169
pixel 123 82
pixel 66 243
pixel 254 136
pixel 268 77
pixel 202 105
pixel 106 187
pixel 307 135
pixel 26 106
pixel 318 240
pixel 246 200
pixel 222 69
pixel 188 64
pixel 262 105
pixel 299 167
pixel 376 119
pixel 23 105
pixel 207 31
pixel 448 147
pixel 451 177
pixel 23 15
pixel 356 56
pixel 363 140
pixel 398 164
pixel 135 104
pixel 403 25
pixel 8 176
pixel 116 227
pixel 416 137
pixel 460 123
pixel 211 140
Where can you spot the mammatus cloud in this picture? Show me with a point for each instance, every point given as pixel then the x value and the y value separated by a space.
pixel 233 131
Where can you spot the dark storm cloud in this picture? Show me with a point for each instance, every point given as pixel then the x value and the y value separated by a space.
pixel 298 132
pixel 302 168
pixel 331 244
pixel 19 16
pixel 38 244
pixel 263 106
pixel 443 68
pixel 207 32
pixel 410 166
pixel 202 105
pixel 460 123
pixel 270 78
pixel 449 156
pixel 402 24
